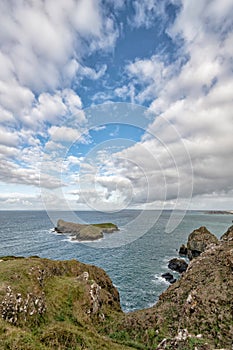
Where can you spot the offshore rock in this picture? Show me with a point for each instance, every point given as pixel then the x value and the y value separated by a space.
pixel 198 240
pixel 168 277
pixel 178 265
pixel 82 232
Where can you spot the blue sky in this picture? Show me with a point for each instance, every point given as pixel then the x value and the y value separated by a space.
pixel 119 104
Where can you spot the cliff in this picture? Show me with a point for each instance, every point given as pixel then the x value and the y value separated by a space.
pixel 55 305
pixel 49 305
pixel 195 312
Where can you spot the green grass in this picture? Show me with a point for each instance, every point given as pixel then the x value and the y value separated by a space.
pixel 65 324
pixel 105 225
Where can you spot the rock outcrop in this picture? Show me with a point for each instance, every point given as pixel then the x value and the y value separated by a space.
pixel 81 232
pixel 198 240
pixel 228 235
pixel 183 251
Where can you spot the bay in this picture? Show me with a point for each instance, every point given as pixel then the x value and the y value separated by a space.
pixel 135 267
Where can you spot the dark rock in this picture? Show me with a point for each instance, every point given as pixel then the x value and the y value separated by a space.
pixel 178 265
pixel 183 251
pixel 228 236
pixel 168 277
pixel 173 280
pixel 198 240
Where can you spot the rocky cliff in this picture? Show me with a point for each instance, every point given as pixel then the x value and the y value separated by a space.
pixel 69 305
pixel 196 312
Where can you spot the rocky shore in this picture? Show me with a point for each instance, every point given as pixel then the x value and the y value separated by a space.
pixel 47 305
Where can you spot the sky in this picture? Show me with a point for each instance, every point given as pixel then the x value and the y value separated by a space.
pixel 113 104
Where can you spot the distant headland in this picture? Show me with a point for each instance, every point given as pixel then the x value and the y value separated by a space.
pixel 222 212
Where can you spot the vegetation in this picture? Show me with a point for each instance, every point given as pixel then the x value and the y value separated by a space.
pixel 49 305
pixel 106 225
pixel 66 321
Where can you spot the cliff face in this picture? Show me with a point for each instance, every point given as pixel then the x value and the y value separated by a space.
pixel 198 240
pixel 196 312
pixel 228 235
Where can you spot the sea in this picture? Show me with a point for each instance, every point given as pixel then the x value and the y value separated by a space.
pixel 134 257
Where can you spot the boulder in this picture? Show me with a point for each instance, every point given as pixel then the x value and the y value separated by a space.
pixel 178 265
pixel 198 240
pixel 168 277
pixel 228 235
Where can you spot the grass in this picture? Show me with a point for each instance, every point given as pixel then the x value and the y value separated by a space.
pixel 105 225
pixel 65 324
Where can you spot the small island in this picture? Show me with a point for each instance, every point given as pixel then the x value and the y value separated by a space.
pixel 85 232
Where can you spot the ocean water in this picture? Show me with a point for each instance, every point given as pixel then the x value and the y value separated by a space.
pixel 134 267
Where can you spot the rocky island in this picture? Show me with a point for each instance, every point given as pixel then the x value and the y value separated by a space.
pixel 84 232
pixel 47 304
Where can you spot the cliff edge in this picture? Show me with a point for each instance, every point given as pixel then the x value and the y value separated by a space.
pixel 48 304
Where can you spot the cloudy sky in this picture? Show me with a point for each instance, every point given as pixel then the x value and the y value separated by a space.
pixel 109 104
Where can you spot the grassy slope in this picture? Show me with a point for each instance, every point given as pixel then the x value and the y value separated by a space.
pixel 65 323
pixel 105 225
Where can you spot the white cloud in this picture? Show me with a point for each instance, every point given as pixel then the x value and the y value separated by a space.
pixel 72 160
pixel 64 133
pixel 15 98
pixel 15 174
pixel 194 96
pixel 42 48
pixel 6 151
pixel 146 12
pixel 151 74
pixel 7 138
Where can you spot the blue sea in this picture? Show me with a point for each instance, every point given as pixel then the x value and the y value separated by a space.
pixel 135 265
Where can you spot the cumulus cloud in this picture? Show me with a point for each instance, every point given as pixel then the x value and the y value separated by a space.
pixel 42 48
pixel 13 173
pixel 64 133
pixel 41 37
pixel 7 138
pixel 194 96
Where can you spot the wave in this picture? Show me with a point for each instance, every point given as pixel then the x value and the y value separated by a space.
pixel 158 279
